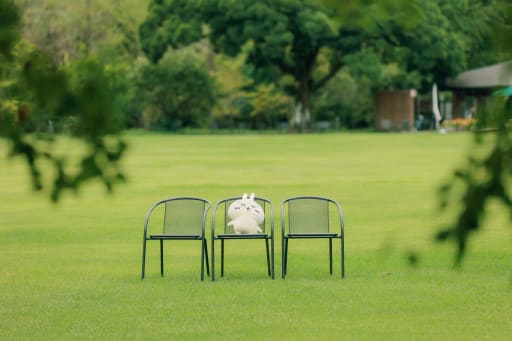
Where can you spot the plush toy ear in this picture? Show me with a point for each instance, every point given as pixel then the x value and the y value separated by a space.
pixel 244 197
pixel 252 196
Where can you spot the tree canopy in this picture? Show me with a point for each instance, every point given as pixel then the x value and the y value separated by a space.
pixel 300 45
pixel 284 37
pixel 427 41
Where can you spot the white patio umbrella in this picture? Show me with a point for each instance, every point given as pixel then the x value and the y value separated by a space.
pixel 435 106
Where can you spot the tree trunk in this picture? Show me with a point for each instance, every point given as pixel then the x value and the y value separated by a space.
pixel 302 113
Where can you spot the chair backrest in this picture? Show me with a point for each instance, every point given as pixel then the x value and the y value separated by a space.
pixel 310 214
pixel 220 218
pixel 180 215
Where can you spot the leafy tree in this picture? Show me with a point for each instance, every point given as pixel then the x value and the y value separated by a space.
pixel 306 44
pixel 286 38
pixel 241 102
pixel 421 42
pixel 423 51
pixel 268 106
pixel 105 30
pixel 346 99
pixel 231 90
pixel 475 20
pixel 178 90
pixel 127 98
pixel 434 49
pixel 80 93
pixel 66 30
pixel 10 21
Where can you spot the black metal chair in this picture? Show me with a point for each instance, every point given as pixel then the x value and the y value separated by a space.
pixel 311 217
pixel 220 220
pixel 182 218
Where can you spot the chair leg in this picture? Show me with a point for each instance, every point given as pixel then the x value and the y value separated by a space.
pixel 342 257
pixel 330 256
pixel 213 258
pixel 161 257
pixel 285 258
pixel 143 257
pixel 202 259
pixel 268 258
pixel 206 255
pixel 272 255
pixel 282 257
pixel 222 258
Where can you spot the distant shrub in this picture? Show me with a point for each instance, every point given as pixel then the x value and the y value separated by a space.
pixel 178 92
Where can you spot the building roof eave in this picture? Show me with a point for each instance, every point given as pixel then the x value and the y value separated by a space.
pixel 488 77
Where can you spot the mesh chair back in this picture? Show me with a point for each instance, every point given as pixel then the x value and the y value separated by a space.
pixel 308 215
pixel 184 216
pixel 222 212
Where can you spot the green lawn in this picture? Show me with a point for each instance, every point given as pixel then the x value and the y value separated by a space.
pixel 72 271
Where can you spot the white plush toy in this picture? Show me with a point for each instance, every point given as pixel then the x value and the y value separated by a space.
pixel 246 214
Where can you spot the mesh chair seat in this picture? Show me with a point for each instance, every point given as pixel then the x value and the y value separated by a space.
pixel 174 236
pixel 313 235
pixel 243 236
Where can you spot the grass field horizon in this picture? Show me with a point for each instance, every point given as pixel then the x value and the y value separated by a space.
pixel 72 270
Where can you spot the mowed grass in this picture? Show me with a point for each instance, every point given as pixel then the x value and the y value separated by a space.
pixel 72 270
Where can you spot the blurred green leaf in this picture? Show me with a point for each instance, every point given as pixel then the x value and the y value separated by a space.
pixel 43 93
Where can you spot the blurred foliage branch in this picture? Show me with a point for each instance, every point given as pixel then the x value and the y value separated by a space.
pixel 36 95
pixel 487 173
pixel 485 176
